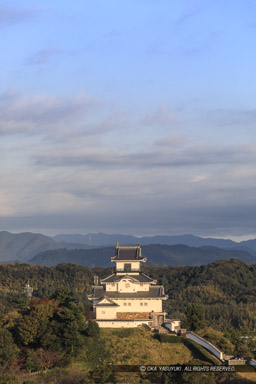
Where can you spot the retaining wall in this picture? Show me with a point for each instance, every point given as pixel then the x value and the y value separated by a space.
pixel 206 344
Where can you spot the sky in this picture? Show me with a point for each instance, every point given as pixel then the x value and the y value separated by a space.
pixel 132 116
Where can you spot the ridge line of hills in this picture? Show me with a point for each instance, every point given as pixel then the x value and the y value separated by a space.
pixel 95 249
pixel 156 254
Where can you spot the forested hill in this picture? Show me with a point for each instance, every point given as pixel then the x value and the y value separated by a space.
pixel 226 289
pixel 176 255
pixel 23 246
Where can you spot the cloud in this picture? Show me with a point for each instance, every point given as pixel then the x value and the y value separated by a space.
pixel 163 117
pixel 42 114
pixel 169 157
pixel 43 56
pixel 232 117
pixel 174 141
pixel 13 15
pixel 117 120
pixel 57 117
pixel 186 16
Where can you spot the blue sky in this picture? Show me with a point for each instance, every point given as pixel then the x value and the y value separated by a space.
pixel 128 116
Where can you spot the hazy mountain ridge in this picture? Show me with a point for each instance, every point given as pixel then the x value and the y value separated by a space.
pixel 168 255
pixel 23 246
pixel 103 239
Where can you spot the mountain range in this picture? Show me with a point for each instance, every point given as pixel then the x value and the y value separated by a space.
pixel 156 254
pixel 24 247
pixel 103 239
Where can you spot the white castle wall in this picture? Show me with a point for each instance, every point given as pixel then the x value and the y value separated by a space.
pixel 135 265
pixel 206 344
pixel 252 362
pixel 122 324
pixel 139 305
pixel 126 285
pixel 106 312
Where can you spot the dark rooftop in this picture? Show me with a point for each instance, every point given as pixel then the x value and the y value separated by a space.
pixel 142 278
pixel 154 292
pixel 127 253
pixel 109 304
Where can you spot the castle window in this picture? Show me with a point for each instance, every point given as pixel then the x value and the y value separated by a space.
pixel 129 304
pixel 145 303
pixel 127 285
pixel 103 312
pixel 127 267
pixel 125 304
pixel 141 304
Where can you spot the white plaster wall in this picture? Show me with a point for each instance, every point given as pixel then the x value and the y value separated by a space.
pixel 139 305
pixel 171 326
pixel 135 265
pixel 121 324
pixel 106 312
pixel 206 344
pixel 111 287
pixel 127 285
pixel 121 286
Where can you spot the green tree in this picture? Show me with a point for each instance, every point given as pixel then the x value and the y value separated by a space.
pixel 8 349
pixel 92 329
pixel 195 317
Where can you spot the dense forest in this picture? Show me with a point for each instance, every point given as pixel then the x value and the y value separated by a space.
pixel 226 289
pixel 216 300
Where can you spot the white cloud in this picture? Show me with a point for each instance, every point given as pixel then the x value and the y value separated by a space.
pixel 42 114
pixel 162 117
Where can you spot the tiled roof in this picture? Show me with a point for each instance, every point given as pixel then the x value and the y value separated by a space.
pixel 128 253
pixel 154 293
pixel 142 278
pixel 110 303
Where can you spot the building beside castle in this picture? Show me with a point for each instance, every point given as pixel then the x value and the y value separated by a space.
pixel 128 297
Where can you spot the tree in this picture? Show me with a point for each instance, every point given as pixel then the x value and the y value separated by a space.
pixel 92 329
pixel 8 349
pixel 195 317
pixel 71 326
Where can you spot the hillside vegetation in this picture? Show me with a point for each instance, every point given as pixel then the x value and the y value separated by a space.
pixel 226 289
pixel 52 330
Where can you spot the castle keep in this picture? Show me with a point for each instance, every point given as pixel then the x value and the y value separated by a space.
pixel 128 297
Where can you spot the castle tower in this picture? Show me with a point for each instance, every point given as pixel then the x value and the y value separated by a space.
pixel 128 297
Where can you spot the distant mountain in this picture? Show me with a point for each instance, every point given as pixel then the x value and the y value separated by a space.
pixel 97 239
pixel 23 246
pixel 103 239
pixel 96 257
pixel 175 255
pixel 251 244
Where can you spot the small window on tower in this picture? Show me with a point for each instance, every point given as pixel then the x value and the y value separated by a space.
pixel 127 285
pixel 127 267
pixel 129 304
pixel 141 304
pixel 125 304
